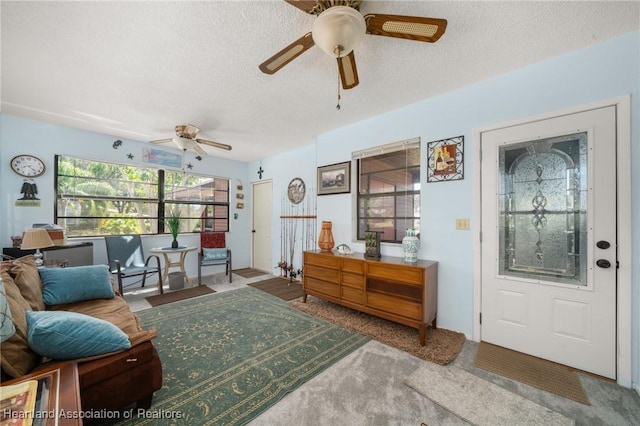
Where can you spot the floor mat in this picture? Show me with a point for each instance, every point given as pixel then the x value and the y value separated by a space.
pixel 248 272
pixel 280 287
pixel 539 373
pixel 174 296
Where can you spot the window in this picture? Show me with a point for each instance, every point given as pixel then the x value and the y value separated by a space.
pixel 98 198
pixel 389 190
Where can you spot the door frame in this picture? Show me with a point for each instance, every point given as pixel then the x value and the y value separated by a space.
pixel 623 157
pixel 253 212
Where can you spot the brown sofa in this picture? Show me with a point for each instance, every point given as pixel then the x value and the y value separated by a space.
pixel 110 381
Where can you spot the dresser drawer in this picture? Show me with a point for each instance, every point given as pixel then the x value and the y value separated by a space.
pixel 323 260
pixel 394 305
pixel 326 287
pixel 352 295
pixel 397 273
pixel 313 271
pixel 353 280
pixel 353 265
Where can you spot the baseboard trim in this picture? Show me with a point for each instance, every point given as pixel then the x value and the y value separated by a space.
pixel 636 387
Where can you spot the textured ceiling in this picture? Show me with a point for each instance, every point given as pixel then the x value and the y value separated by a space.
pixel 136 69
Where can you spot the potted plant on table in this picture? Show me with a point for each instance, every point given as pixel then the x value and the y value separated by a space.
pixel 173 222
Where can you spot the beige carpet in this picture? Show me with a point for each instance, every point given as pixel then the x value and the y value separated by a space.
pixel 478 401
pixel 542 374
pixel 442 345
pixel 174 296
pixel 279 287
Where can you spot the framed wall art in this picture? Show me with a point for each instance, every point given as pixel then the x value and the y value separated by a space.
pixel 445 160
pixel 334 178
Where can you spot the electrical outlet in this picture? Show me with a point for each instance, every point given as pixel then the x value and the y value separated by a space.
pixel 462 224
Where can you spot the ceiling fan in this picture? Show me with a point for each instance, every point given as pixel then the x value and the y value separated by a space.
pixel 340 27
pixel 186 139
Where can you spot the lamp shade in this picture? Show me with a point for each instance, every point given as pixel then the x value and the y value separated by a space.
pixel 36 238
pixel 338 30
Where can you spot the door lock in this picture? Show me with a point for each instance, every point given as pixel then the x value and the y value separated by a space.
pixel 603 263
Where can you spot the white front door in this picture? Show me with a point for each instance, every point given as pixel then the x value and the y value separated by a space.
pixel 261 232
pixel 549 239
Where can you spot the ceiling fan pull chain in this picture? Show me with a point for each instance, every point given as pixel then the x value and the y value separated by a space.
pixel 338 106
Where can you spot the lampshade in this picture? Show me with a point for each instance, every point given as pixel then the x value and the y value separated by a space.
pixel 36 238
pixel 338 30
pixel 7 329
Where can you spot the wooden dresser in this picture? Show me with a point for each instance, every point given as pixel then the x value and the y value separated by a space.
pixel 387 287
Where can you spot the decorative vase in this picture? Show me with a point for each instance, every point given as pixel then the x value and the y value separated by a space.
pixel 410 246
pixel 174 243
pixel 325 240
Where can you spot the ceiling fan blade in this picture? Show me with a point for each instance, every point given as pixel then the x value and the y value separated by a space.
pixel 287 54
pixel 304 5
pixel 214 144
pixel 197 148
pixel 348 71
pixel 159 141
pixel 407 27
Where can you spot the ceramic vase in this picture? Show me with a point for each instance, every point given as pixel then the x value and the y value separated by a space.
pixel 410 246
pixel 174 244
pixel 325 239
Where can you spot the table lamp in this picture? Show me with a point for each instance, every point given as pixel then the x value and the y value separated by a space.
pixel 36 238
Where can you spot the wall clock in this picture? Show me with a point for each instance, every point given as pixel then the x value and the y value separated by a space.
pixel 27 165
pixel 296 190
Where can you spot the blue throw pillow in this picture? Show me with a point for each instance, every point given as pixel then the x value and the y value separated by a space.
pixel 70 335
pixel 214 253
pixel 75 284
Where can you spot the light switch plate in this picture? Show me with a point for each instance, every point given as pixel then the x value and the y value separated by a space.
pixel 462 224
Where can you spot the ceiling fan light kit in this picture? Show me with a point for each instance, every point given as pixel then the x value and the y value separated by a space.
pixel 339 30
pixel 340 27
pixel 185 139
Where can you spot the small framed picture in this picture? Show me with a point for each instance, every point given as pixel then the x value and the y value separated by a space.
pixel 445 160
pixel 334 178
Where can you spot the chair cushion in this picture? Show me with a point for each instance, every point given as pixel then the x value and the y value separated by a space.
pixel 17 357
pixel 214 254
pixel 212 240
pixel 67 285
pixel 70 335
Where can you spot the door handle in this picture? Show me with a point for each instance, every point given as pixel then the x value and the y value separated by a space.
pixel 603 244
pixel 253 231
pixel 603 263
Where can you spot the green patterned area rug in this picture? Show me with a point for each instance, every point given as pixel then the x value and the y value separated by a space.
pixel 228 357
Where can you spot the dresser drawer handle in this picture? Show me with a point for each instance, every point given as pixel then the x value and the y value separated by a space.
pixel 132 359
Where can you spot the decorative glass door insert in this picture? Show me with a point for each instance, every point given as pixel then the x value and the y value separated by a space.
pixel 542 201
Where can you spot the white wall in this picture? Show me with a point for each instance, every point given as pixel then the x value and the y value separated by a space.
pixel 24 136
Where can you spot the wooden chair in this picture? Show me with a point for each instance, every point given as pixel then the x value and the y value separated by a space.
pixel 126 259
pixel 213 251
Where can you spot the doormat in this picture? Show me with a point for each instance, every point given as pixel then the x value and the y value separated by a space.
pixel 539 373
pixel 248 272
pixel 280 287
pixel 479 401
pixel 174 296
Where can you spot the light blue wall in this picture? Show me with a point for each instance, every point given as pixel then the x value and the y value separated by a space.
pixel 603 71
pixel 24 136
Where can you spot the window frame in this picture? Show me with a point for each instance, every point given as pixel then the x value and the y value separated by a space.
pixel 163 204
pixel 361 197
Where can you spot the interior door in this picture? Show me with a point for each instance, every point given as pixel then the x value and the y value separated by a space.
pixel 261 232
pixel 549 239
